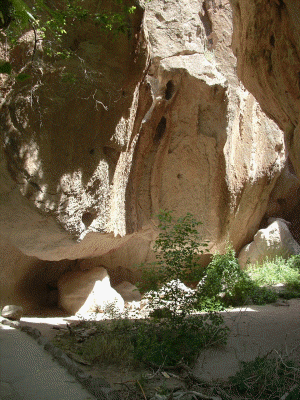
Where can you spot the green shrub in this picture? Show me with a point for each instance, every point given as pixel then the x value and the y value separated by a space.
pixel 177 250
pixel 225 284
pixel 275 271
pixel 294 262
pixel 179 337
pixel 279 270
pixel 169 344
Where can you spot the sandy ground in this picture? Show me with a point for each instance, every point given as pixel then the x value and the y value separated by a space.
pixel 255 330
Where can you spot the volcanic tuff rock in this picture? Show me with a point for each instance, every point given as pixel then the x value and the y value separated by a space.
pixel 266 43
pixel 275 240
pixel 95 145
pixel 12 312
pixel 104 154
pixel 87 292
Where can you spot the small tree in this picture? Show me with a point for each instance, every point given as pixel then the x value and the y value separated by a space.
pixel 177 249
pixel 178 337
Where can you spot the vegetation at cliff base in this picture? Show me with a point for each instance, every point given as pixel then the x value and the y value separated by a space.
pixel 184 320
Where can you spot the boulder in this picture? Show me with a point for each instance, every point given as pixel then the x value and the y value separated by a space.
pixel 128 291
pixel 275 240
pixel 12 312
pixel 87 291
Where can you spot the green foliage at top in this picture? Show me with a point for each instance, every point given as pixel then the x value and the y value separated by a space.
pixel 51 23
pixel 115 21
pixel 15 13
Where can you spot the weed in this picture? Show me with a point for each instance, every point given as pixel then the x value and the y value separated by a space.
pixel 275 271
pixel 278 270
pixel 162 343
pixel 265 378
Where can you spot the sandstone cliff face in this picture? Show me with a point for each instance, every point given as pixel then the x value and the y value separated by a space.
pixel 206 147
pixel 93 147
pixel 266 43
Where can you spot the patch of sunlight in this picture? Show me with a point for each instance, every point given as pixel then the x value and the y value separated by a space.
pixel 30 152
pixel 120 132
pixel 76 196
pixel 124 128
pixel 50 320
pixel 71 182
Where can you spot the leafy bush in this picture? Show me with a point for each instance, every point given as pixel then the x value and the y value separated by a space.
pixel 294 262
pixel 225 284
pixel 179 337
pixel 177 251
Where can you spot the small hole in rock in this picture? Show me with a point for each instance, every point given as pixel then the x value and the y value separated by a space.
pixel 87 218
pixel 281 202
pixel 92 151
pixel 272 40
pixel 169 90
pixel 278 147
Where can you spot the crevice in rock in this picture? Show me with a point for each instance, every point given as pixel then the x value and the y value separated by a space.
pixel 182 53
pixel 206 20
pixel 290 167
pixel 170 88
pixel 160 130
pixel 207 24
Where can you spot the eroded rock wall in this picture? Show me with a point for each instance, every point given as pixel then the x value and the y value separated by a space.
pixel 68 136
pixel 28 281
pixel 94 146
pixel 205 145
pixel 266 43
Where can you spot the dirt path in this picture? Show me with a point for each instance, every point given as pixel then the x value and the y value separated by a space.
pixel 255 330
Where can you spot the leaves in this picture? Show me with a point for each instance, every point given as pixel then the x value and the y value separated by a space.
pixel 51 24
pixel 22 77
pixel 5 68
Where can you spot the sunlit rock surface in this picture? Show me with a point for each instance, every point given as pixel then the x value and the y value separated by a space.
pixel 95 145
